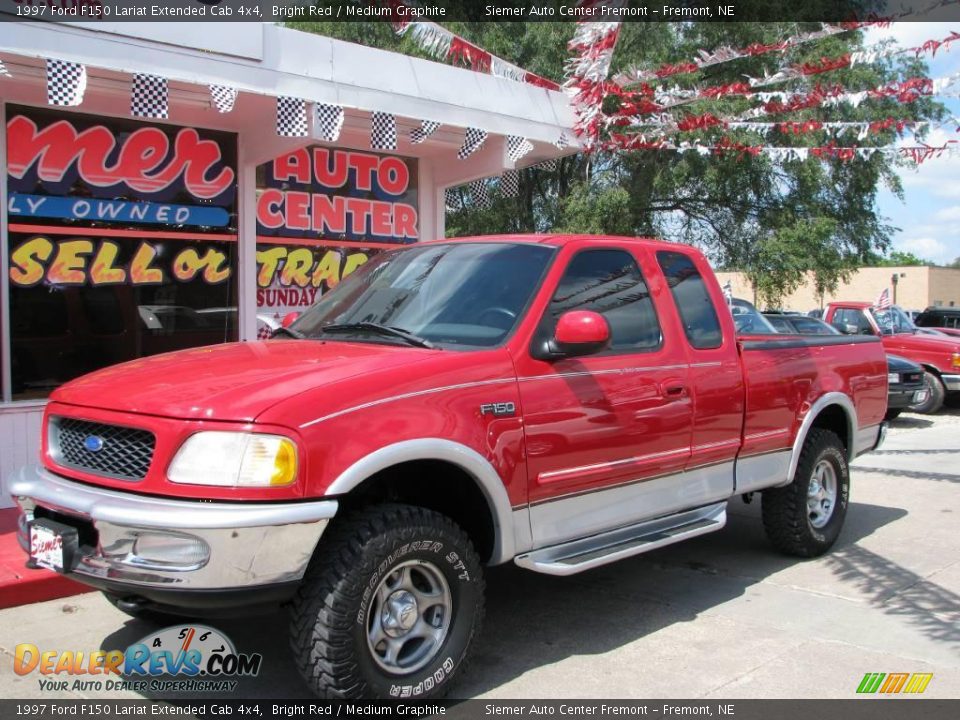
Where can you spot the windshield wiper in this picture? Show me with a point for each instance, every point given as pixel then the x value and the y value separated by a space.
pixel 296 334
pixel 378 328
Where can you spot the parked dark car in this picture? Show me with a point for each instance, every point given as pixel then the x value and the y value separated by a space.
pixel 944 319
pixel 904 377
pixel 905 385
pixel 799 324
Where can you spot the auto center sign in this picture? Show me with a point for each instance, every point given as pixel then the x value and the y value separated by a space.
pixel 321 213
pixel 344 194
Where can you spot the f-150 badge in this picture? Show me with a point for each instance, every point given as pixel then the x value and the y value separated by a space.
pixel 500 409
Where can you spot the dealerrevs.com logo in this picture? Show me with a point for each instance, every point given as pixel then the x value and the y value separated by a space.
pixel 181 658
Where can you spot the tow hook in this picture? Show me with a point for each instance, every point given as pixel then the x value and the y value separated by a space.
pixel 131 604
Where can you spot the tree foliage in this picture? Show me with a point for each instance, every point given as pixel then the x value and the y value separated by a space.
pixel 773 221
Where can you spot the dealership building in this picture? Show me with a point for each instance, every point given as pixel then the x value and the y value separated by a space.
pixel 171 185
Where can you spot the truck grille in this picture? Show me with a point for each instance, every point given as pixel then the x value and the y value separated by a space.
pixel 912 377
pixel 109 450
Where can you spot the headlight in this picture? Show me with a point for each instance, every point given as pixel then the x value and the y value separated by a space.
pixel 893 378
pixel 235 459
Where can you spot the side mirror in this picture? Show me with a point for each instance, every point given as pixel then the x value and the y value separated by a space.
pixel 578 333
pixel 289 319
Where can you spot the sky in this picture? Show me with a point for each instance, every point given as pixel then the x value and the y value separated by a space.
pixel 929 216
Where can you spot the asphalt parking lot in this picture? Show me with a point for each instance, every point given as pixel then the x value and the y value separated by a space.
pixel 721 616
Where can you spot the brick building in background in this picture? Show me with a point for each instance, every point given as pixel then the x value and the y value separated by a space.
pixel 917 287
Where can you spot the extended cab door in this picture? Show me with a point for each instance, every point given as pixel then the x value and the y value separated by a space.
pixel 607 435
pixel 716 373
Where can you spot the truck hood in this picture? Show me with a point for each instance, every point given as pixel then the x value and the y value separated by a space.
pixel 922 341
pixel 231 382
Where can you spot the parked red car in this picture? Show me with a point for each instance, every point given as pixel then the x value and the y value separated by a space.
pixel 556 401
pixel 938 354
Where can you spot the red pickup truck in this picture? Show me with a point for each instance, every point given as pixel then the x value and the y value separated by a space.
pixel 938 354
pixel 556 401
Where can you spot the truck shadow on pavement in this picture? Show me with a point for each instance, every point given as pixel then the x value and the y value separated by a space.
pixel 535 620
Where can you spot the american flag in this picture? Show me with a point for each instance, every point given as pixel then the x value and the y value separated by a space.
pixel 883 299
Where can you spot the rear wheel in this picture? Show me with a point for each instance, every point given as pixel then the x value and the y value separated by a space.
pixel 389 607
pixel 805 517
pixel 936 394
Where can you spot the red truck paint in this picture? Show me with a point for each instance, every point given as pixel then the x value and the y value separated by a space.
pixel 559 450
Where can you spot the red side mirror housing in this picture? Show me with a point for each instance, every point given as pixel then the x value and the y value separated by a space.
pixel 578 333
pixel 289 319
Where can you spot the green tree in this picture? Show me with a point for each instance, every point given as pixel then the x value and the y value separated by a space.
pixel 773 221
pixel 898 258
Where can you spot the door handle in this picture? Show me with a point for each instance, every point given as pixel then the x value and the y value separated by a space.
pixel 674 390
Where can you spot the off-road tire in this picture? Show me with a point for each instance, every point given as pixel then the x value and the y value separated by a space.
pixel 936 398
pixel 786 517
pixel 329 613
pixel 893 414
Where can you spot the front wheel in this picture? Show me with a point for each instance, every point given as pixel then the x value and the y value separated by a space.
pixel 936 395
pixel 389 607
pixel 805 517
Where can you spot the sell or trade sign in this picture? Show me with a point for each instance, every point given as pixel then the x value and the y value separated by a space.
pixel 83 170
pixel 87 261
pixel 331 194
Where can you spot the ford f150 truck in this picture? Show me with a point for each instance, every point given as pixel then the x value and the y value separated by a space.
pixel 939 355
pixel 560 402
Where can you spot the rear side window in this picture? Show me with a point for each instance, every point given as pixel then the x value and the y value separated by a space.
pixel 699 316
pixel 607 282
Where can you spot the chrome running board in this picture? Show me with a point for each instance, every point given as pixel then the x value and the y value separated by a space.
pixel 578 555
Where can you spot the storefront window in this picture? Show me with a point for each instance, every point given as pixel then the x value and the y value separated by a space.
pixel 122 243
pixel 322 213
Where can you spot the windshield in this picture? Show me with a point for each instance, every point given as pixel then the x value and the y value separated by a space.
pixel 456 294
pixel 892 320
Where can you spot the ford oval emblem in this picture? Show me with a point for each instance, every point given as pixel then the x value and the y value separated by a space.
pixel 93 443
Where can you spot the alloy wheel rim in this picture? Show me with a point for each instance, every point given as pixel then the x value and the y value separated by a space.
pixel 409 618
pixel 822 494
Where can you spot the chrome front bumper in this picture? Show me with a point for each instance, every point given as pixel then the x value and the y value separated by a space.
pixel 951 382
pixel 233 545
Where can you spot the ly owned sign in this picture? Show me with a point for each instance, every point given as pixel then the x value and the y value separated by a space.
pixel 314 198
pixel 72 175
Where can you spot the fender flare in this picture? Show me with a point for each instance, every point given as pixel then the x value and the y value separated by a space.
pixel 467 459
pixel 822 403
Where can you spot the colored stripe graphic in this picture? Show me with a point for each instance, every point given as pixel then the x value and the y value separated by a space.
pixel 870 682
pixel 918 682
pixel 893 683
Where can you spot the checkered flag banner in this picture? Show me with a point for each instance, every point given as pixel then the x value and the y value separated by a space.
pixel 451 198
pixel 383 131
pixel 264 332
pixel 426 129
pixel 481 198
pixel 149 97
pixel 66 82
pixel 517 147
pixel 291 117
pixel 3 70
pixel 561 142
pixel 223 98
pixel 548 165
pixel 328 121
pixel 472 141
pixel 510 183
